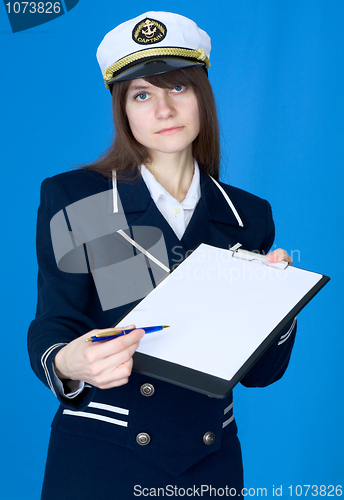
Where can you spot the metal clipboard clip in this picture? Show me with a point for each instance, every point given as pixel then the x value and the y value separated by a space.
pixel 251 256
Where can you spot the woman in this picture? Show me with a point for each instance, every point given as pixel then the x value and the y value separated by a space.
pixel 117 433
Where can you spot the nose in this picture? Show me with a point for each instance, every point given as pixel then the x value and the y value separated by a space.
pixel 164 106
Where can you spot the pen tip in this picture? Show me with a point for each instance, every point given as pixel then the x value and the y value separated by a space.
pixel 165 326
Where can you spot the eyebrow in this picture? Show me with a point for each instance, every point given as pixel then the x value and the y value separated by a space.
pixel 138 87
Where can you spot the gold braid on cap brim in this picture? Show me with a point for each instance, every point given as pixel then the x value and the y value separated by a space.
pixel 168 52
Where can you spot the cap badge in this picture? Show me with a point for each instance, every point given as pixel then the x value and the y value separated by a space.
pixel 149 31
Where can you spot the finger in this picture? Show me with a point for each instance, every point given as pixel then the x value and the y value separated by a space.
pixel 110 331
pixel 122 371
pixel 124 342
pixel 279 255
pixel 114 360
pixel 103 356
pixel 129 327
pixel 288 259
pixel 112 346
pixel 276 255
pixel 114 376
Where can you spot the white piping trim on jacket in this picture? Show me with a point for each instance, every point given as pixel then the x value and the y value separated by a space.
pixel 225 195
pixel 287 335
pixel 142 250
pixel 44 358
pixel 228 200
pixel 114 409
pixel 226 422
pixel 226 410
pixel 95 416
pixel 114 192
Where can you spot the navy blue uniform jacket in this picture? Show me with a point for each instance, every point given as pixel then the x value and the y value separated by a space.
pixel 176 419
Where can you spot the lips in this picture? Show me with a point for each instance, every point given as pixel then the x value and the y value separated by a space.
pixel 169 131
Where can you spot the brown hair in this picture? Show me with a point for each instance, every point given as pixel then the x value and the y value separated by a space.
pixel 126 154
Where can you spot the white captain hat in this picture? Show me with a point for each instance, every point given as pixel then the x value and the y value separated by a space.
pixel 153 43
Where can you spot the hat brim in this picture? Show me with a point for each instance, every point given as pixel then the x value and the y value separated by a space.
pixel 153 67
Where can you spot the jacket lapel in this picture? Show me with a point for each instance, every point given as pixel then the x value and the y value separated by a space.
pixel 140 210
pixel 213 221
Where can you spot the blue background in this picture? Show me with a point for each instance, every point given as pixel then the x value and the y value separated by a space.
pixel 277 73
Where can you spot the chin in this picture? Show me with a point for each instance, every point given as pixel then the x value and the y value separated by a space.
pixel 169 151
pixel 172 147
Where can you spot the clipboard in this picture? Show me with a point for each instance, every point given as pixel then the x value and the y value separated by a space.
pixel 224 308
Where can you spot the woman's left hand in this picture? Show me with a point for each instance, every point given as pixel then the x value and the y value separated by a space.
pixel 278 255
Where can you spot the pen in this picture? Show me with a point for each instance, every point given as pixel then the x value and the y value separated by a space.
pixel 101 337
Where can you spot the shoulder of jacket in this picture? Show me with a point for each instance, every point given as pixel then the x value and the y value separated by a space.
pixel 242 197
pixel 76 184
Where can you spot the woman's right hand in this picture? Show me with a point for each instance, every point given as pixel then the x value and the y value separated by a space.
pixel 101 364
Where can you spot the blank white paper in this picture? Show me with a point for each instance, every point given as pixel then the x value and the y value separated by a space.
pixel 219 308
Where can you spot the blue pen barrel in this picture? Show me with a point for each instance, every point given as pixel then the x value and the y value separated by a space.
pixel 151 329
pixel 148 329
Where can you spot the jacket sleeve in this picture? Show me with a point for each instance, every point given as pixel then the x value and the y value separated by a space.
pixel 63 299
pixel 273 363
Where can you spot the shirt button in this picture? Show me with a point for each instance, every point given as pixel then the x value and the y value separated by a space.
pixel 176 211
pixel 209 438
pixel 147 389
pixel 143 438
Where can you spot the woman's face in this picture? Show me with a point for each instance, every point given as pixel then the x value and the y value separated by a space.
pixel 164 120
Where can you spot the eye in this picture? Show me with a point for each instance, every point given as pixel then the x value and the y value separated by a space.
pixel 141 96
pixel 178 88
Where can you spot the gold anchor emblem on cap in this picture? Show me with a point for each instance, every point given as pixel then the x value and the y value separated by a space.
pixel 149 31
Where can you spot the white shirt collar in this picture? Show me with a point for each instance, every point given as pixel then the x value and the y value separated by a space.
pixel 157 190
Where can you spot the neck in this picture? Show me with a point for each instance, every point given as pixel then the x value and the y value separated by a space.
pixel 173 171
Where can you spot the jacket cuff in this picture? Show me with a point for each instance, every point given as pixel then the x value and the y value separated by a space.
pixel 68 388
pixel 84 395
